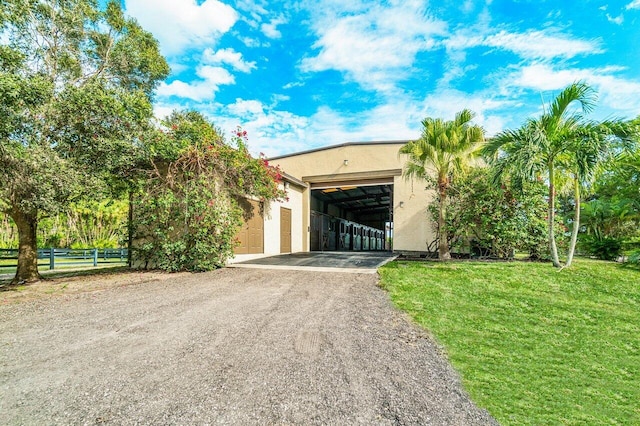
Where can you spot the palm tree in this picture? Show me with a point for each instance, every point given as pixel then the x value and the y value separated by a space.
pixel 592 145
pixel 560 142
pixel 444 148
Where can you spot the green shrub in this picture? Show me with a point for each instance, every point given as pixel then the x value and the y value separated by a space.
pixel 187 214
pixel 602 248
pixel 633 260
pixel 494 221
pixel 188 228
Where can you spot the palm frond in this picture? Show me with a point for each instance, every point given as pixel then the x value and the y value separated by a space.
pixel 444 146
pixel 577 92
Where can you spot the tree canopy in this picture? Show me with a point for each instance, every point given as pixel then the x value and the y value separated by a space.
pixel 444 148
pixel 76 84
pixel 559 145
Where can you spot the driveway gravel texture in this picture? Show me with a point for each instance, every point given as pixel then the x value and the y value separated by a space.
pixel 233 346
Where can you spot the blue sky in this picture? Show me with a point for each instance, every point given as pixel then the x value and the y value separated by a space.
pixel 304 74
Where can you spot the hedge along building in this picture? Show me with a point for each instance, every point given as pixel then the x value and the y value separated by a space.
pixel 343 197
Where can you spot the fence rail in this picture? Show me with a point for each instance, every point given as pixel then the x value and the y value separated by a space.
pixel 57 257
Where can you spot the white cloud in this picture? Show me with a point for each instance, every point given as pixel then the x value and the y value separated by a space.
pixel 467 6
pixel 227 56
pixel 252 42
pixel 205 88
pixel 374 46
pixel 183 24
pixel 540 44
pixel 161 111
pixel 293 84
pixel 271 29
pixel 377 45
pixel 447 102
pixel 635 4
pixel 270 131
pixel 277 99
pixel 398 119
pixel 616 94
pixel 242 108
pixel 536 44
pixel 618 20
pixel 274 132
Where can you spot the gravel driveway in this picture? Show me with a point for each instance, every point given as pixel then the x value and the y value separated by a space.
pixel 234 346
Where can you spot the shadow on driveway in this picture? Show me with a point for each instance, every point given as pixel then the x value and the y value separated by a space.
pixel 327 261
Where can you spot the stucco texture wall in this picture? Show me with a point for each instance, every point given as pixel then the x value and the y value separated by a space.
pixel 413 229
pixel 272 222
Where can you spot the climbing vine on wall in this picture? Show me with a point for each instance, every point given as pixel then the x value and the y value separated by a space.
pixel 188 212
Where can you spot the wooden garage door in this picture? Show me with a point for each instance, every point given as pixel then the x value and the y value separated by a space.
pixel 285 230
pixel 251 235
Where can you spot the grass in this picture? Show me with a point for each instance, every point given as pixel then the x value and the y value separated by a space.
pixel 8 266
pixel 78 271
pixel 533 345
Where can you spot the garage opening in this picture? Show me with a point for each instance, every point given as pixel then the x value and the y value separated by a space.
pixel 351 216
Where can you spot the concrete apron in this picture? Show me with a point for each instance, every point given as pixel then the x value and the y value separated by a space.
pixel 328 261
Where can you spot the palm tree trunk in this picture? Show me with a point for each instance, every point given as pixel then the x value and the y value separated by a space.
pixel 576 222
pixel 27 270
pixel 443 246
pixel 552 218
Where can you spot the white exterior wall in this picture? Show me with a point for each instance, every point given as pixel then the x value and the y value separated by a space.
pixel 272 223
pixel 413 228
pixel 411 222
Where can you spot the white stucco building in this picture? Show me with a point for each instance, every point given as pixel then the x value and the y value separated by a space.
pixel 344 197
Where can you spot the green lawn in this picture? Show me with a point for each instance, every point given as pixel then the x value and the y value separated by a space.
pixel 8 266
pixel 533 345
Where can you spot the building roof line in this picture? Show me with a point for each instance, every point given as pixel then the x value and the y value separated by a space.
pixel 291 179
pixel 342 145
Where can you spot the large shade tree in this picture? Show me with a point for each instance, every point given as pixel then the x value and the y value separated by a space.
pixel 560 145
pixel 76 82
pixel 444 149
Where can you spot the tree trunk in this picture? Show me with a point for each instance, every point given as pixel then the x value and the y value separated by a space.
pixel 27 270
pixel 130 230
pixel 576 223
pixel 552 219
pixel 443 246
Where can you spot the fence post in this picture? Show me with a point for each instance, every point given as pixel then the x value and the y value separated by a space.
pixel 52 258
pixel 95 257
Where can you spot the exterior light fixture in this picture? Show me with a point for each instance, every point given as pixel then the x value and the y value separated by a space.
pixel 401 204
pixel 346 162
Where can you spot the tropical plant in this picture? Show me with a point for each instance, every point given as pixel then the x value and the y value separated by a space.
pixel 495 221
pixel 75 88
pixel 633 260
pixel 83 224
pixel 613 208
pixel 445 149
pixel 189 210
pixel 591 148
pixel 559 145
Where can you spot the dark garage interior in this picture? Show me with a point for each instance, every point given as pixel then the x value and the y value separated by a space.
pixel 351 218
